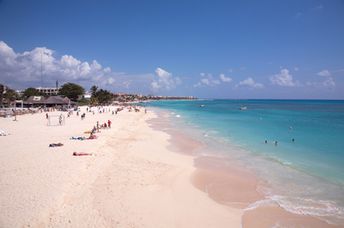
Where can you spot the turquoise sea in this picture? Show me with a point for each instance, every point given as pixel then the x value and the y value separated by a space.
pixel 304 170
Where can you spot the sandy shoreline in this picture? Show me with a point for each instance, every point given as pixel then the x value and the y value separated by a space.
pixel 133 179
pixel 229 183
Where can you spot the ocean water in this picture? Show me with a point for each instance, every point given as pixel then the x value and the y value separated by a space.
pixel 305 170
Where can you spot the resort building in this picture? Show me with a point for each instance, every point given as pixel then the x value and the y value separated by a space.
pixel 48 91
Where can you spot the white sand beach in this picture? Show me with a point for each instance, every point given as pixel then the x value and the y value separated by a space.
pixel 132 179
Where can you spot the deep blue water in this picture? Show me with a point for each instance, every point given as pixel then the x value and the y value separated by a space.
pixel 316 156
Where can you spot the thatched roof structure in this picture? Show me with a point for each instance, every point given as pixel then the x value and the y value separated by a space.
pixel 50 101
pixel 39 100
pixel 57 100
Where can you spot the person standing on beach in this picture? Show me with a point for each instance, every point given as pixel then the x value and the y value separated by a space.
pixel 109 123
pixel 60 119
pixel 93 130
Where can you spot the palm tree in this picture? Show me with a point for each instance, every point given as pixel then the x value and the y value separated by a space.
pixel 94 89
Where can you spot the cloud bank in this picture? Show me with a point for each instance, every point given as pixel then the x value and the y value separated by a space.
pixel 164 80
pixel 324 73
pixel 249 82
pixel 210 80
pixel 223 78
pixel 31 68
pixel 327 82
pixel 284 78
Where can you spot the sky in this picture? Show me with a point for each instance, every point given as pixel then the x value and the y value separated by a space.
pixel 209 49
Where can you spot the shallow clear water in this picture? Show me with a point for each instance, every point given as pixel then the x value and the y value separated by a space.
pixel 307 174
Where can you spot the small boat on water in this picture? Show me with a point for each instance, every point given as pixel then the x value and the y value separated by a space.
pixel 242 108
pixel 202 106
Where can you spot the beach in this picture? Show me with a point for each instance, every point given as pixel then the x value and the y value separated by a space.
pixel 132 179
pixel 138 175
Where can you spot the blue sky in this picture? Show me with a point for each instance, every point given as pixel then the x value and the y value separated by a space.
pixel 214 49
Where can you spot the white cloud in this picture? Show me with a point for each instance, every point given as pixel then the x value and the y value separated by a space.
pixel 7 55
pixel 25 69
pixel 207 80
pixel 329 82
pixel 324 73
pixel 22 70
pixel 69 61
pixel 223 78
pixel 165 80
pixel 110 81
pixel 155 85
pixel 249 82
pixel 284 78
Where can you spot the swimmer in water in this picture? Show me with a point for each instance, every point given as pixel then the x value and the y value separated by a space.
pixel 276 143
pixel 293 140
pixel 266 141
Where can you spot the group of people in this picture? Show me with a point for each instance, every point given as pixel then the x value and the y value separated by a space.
pixel 98 126
pixel 135 108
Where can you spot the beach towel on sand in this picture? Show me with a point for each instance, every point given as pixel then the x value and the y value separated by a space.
pixel 77 138
pixel 55 144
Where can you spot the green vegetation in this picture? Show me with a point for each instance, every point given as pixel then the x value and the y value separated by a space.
pixel 75 92
pixel 72 91
pixel 84 101
pixel 31 92
pixel 100 97
pixel 7 95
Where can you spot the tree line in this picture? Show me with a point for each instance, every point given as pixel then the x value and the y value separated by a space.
pixel 73 91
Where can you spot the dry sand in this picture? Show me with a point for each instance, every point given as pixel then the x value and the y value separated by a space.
pixel 133 179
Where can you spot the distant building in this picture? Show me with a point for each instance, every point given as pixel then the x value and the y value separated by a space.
pixel 48 91
pixel 52 101
pixel 87 95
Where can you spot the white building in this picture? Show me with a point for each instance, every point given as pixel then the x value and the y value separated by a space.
pixel 48 91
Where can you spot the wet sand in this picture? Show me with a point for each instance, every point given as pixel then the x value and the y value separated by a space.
pixel 227 182
pixel 275 216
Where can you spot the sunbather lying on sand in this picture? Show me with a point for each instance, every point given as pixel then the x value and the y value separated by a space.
pixel 82 154
pixel 92 136
pixel 55 144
